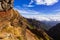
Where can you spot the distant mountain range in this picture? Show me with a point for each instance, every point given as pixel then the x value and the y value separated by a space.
pixel 43 24
pixel 50 24
pixel 37 24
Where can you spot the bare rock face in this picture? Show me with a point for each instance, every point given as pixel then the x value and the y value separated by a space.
pixel 6 5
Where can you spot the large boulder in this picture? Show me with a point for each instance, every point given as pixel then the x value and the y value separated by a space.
pixel 6 5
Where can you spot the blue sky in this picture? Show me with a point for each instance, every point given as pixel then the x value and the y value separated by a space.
pixel 39 8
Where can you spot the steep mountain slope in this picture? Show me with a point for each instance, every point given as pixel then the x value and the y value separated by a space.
pixel 15 27
pixel 54 32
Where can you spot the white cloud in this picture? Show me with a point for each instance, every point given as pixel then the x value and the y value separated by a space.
pixel 28 5
pixel 31 2
pixel 27 12
pixel 38 2
pixel 38 15
pixel 42 17
pixel 41 2
pixel 44 2
pixel 50 2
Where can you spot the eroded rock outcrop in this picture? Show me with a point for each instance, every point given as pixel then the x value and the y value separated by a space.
pixel 6 5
